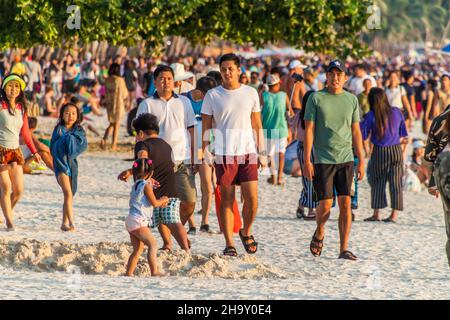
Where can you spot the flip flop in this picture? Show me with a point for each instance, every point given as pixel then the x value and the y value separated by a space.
pixel 389 220
pixel 347 255
pixel 309 218
pixel 372 218
pixel 230 251
pixel 165 249
pixel 65 228
pixel 317 245
pixel 247 246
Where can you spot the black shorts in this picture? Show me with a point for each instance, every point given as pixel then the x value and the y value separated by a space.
pixel 330 177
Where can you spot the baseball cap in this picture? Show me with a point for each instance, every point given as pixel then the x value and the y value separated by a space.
pixel 273 79
pixel 338 65
pixel 296 64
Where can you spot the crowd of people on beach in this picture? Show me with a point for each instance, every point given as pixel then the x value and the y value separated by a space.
pixel 327 121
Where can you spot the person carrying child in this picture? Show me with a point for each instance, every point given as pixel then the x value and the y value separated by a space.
pixel 67 143
pixel 142 199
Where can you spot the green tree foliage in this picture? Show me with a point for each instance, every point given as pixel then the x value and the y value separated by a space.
pixel 413 20
pixel 331 27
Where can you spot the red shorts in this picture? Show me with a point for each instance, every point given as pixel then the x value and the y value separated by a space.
pixel 8 156
pixel 233 170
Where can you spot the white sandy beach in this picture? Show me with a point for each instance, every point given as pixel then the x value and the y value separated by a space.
pixel 396 261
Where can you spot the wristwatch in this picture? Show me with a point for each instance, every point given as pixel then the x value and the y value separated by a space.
pixel 263 153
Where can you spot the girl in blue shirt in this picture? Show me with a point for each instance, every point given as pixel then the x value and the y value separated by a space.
pixel 67 143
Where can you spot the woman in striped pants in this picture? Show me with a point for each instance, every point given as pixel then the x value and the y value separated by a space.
pixel 386 128
pixel 306 197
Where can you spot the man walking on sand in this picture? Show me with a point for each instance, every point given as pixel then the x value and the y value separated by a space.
pixel 176 120
pixel 331 125
pixel 235 109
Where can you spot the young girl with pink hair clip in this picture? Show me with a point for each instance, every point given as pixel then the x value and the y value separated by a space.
pixel 142 199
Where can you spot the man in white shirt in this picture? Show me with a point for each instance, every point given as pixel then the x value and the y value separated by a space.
pixel 176 124
pixel 355 84
pixel 235 109
pixel 34 72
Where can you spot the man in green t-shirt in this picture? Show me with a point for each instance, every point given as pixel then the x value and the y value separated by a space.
pixel 332 126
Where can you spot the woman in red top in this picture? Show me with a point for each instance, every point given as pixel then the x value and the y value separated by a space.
pixel 13 124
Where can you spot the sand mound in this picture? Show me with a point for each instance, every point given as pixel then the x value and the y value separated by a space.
pixel 110 258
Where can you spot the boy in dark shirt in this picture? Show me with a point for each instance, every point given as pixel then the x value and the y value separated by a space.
pixel 150 146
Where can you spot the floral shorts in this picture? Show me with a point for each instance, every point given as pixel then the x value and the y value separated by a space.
pixel 8 156
pixel 167 215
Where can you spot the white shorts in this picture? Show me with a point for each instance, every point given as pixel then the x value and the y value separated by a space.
pixel 276 146
pixel 134 223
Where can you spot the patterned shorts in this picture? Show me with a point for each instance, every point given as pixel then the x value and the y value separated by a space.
pixel 8 156
pixel 167 215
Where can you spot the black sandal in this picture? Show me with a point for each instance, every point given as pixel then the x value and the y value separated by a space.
pixel 372 218
pixel 348 256
pixel 247 245
pixel 316 245
pixel 230 251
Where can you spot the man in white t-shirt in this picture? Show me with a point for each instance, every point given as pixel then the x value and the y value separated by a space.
pixel 34 72
pixel 355 84
pixel 176 126
pixel 235 109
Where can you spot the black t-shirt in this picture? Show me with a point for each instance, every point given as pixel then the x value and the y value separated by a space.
pixel 419 88
pixel 410 90
pixel 160 153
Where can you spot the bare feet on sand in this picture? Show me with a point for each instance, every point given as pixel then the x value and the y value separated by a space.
pixel 103 144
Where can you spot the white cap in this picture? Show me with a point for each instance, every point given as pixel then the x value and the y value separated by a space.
pixel 418 144
pixel 180 72
pixel 296 64
pixel 273 79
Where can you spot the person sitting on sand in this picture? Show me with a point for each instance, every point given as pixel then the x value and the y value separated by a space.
pixel 43 149
pixel 48 103
pixel 291 164
pixel 68 142
pixel 416 165
pixel 160 152
pixel 89 102
pixel 74 100
pixel 142 199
